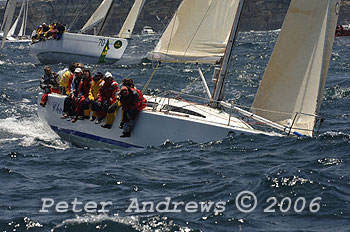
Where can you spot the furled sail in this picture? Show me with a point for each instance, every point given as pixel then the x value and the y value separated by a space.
pixel 8 16
pixel 291 89
pixel 193 35
pixel 13 28
pixel 128 26
pixel 99 14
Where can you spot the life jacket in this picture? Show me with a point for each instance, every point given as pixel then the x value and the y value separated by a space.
pixel 107 91
pixel 142 100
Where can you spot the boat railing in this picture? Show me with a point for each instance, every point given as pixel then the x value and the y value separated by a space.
pixel 232 109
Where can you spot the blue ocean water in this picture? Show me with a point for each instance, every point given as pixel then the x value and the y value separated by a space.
pixel 309 178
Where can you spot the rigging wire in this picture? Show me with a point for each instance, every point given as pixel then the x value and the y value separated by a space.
pixel 194 81
pixel 86 6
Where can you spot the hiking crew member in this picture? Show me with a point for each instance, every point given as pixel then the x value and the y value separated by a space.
pixel 69 108
pixel 108 89
pixel 93 94
pixel 133 102
pixel 67 78
pixel 49 84
pixel 81 106
pixel 113 109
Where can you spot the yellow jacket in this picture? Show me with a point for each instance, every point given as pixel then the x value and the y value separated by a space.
pixel 64 81
pixel 94 89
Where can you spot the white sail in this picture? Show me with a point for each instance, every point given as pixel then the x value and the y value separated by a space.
pixel 193 34
pixel 128 26
pixel 9 12
pixel 22 30
pixel 99 14
pixel 14 26
pixel 291 90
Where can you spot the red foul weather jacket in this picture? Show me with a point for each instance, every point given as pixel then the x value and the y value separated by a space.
pixel 107 91
pixel 133 101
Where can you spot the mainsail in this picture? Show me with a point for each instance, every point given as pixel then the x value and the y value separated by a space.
pixel 193 35
pixel 8 16
pixel 291 89
pixel 99 14
pixel 128 26
pixel 22 30
pixel 13 28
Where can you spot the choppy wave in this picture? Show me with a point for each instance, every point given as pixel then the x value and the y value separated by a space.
pixel 117 223
pixel 30 132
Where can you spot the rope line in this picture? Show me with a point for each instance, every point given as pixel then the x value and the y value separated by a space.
pixel 150 78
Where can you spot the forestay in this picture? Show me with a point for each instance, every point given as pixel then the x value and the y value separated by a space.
pixel 128 26
pixel 291 90
pixel 99 14
pixel 193 35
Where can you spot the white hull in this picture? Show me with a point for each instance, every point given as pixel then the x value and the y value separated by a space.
pixel 80 48
pixel 153 127
pixel 14 40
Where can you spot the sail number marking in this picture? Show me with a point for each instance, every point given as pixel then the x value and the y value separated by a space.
pixel 101 42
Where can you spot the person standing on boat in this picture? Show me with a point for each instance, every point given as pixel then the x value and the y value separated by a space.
pixel 108 89
pixel 49 84
pixel 93 94
pixel 81 105
pixel 132 102
pixel 68 107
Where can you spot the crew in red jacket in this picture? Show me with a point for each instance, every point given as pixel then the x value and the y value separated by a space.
pixel 108 89
pixel 133 102
pixel 83 95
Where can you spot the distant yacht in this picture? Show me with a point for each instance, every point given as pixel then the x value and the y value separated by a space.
pixel 8 32
pixel 147 30
pixel 83 48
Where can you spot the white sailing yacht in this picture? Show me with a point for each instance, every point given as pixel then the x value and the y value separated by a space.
pixel 7 32
pixel 83 48
pixel 288 98
pixel 21 36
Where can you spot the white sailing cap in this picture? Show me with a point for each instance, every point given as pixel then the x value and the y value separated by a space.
pixel 108 74
pixel 78 70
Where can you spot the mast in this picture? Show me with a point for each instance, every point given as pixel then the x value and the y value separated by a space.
pixel 219 87
pixel 5 16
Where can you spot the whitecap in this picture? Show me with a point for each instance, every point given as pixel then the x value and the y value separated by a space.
pixel 31 131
